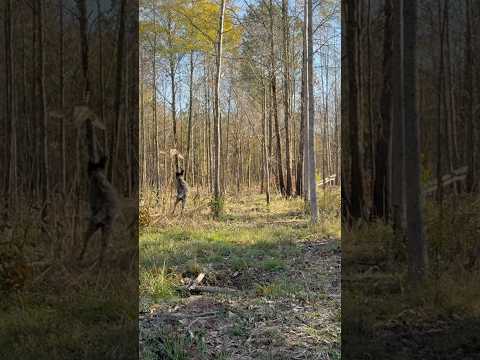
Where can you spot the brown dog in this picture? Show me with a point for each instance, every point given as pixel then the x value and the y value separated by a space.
pixel 182 190
pixel 104 206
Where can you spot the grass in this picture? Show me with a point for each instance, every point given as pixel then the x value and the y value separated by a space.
pixel 262 251
pixel 60 309
pixel 441 316
pixel 38 325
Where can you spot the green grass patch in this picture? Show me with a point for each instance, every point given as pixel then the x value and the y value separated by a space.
pixel 281 288
pixel 167 254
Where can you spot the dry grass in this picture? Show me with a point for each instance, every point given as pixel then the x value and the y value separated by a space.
pixel 441 317
pixel 63 309
pixel 285 270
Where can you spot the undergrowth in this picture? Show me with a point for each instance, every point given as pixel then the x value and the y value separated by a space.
pixel 51 306
pixel 376 294
pixel 257 249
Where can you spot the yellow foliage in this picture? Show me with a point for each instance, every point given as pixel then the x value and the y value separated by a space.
pixel 191 25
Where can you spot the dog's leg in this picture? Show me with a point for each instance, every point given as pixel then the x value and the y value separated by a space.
pixel 183 204
pixel 175 206
pixel 106 232
pixel 92 229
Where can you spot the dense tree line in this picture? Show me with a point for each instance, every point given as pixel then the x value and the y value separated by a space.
pixel 231 106
pixel 63 97
pixel 410 122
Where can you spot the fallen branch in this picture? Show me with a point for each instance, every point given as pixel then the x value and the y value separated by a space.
pixel 180 316
pixel 209 289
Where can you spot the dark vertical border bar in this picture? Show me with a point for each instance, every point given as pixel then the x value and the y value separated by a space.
pixel 410 184
pixel 68 169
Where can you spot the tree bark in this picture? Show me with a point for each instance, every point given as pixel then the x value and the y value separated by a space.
pixel 273 79
pixel 217 134
pixel 415 236
pixel 43 103
pixel 190 106
pixel 114 147
pixel 398 138
pixel 356 174
pixel 468 96
pixel 286 97
pixel 311 121
pixel 381 189
pixel 264 146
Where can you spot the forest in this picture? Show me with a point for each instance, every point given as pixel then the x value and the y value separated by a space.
pixel 68 96
pixel 410 184
pixel 239 179
pixel 243 99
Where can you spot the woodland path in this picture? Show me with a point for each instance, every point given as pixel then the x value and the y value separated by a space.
pixel 284 277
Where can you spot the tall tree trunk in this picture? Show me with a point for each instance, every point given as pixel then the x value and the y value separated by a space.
pixel 381 190
pixel 441 141
pixel 273 80
pixel 450 93
pixel 174 110
pixel 286 97
pixel 305 100
pixel 452 132
pixel 468 96
pixel 217 141
pixel 311 121
pixel 190 106
pixel 63 144
pixel 101 79
pixel 114 148
pixel 398 138
pixel 300 162
pixel 416 242
pixel 356 175
pixel 143 141
pixel 156 132
pixel 43 103
pixel 370 112
pixel 11 169
pixel 165 162
pixel 266 165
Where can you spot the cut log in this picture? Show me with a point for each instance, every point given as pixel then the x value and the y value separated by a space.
pixel 197 281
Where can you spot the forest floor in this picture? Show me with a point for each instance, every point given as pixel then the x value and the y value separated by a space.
pixel 270 287
pixel 383 318
pixel 53 306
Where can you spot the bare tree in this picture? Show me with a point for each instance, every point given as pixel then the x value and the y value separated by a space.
pixel 398 146
pixel 286 96
pixel 217 140
pixel 415 235
pixel 311 119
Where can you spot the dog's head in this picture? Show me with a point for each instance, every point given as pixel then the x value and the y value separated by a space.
pixel 180 173
pixel 94 167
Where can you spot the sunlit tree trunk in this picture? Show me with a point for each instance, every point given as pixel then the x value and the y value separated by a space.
pixel 286 98
pixel 264 145
pixel 189 132
pixel 311 120
pixel 273 79
pixel 217 141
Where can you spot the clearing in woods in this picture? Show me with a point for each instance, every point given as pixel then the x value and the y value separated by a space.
pixel 268 282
